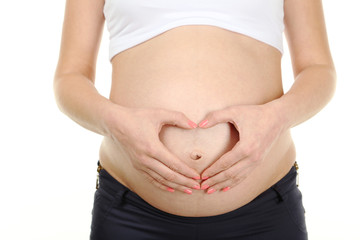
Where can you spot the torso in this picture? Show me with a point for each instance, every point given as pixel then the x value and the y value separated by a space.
pixel 187 69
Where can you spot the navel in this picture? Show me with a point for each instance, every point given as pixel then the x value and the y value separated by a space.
pixel 196 155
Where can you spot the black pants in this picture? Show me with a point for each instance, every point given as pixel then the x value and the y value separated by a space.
pixel 276 214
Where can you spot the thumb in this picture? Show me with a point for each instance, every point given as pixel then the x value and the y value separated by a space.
pixel 177 119
pixel 215 117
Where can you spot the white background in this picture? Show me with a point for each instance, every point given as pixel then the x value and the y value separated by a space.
pixel 48 162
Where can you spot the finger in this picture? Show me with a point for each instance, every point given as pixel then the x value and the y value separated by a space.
pixel 228 179
pixel 224 162
pixel 171 186
pixel 177 119
pixel 170 176
pixel 153 181
pixel 232 182
pixel 216 117
pixel 163 155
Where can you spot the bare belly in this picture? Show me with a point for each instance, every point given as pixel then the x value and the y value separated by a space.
pixel 187 69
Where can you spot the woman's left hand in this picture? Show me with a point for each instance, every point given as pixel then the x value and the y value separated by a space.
pixel 259 126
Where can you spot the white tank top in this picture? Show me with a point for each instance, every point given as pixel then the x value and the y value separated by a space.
pixel 131 22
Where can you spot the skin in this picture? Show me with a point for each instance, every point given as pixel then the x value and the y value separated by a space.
pixel 244 135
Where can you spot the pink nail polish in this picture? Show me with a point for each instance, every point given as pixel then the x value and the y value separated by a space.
pixel 196 187
pixel 192 124
pixel 205 187
pixel 170 189
pixel 211 190
pixel 196 178
pixel 203 123
pixel 188 191
pixel 204 178
pixel 226 189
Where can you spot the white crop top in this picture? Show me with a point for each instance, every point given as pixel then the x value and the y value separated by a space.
pixel 131 22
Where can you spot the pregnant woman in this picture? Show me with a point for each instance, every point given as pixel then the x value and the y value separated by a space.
pixel 197 141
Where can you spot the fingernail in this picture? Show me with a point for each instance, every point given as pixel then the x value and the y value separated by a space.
pixel 188 191
pixel 226 189
pixel 170 189
pixel 204 178
pixel 197 178
pixel 211 190
pixel 203 187
pixel 203 123
pixel 196 187
pixel 192 124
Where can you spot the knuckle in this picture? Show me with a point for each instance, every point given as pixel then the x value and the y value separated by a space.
pixel 144 160
pixel 237 178
pixel 212 115
pixel 153 151
pixel 149 148
pixel 256 158
pixel 179 115
pixel 161 180
pixel 234 177
pixel 149 179
pixel 174 167
pixel 247 150
pixel 230 175
pixel 171 177
pixel 177 118
pixel 223 165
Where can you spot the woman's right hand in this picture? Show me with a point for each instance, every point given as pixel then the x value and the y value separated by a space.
pixel 137 130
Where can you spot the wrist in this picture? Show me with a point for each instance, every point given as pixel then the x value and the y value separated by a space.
pixel 112 118
pixel 278 112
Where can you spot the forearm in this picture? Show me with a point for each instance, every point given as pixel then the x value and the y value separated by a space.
pixel 312 90
pixel 78 98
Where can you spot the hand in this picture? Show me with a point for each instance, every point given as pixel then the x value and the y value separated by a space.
pixel 258 126
pixel 137 130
